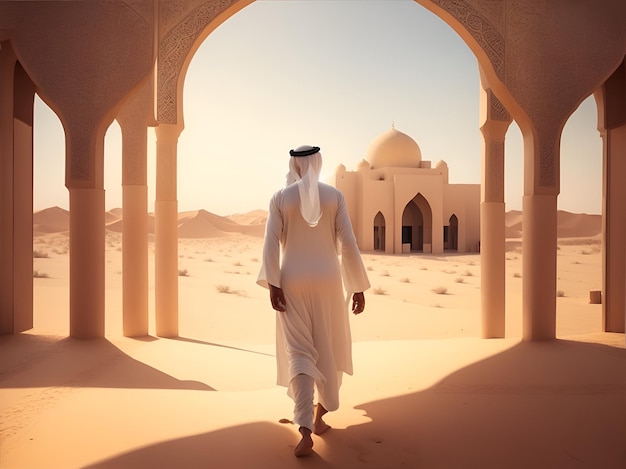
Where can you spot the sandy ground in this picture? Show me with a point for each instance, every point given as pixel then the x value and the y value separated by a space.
pixel 427 391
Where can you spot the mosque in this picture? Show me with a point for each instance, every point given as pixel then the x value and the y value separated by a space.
pixel 400 203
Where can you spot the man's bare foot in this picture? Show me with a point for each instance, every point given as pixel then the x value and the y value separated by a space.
pixel 305 447
pixel 319 426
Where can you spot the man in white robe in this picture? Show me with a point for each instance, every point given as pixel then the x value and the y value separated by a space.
pixel 310 254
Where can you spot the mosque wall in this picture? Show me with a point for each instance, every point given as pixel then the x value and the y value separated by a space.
pixel 377 197
pixel 463 200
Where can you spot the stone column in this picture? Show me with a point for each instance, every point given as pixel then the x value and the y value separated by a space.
pixel 7 77
pixel 84 178
pixel 86 262
pixel 496 121
pixel 612 127
pixel 166 231
pixel 16 198
pixel 23 201
pixel 539 267
pixel 134 120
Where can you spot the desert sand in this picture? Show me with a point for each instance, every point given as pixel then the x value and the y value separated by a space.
pixel 427 391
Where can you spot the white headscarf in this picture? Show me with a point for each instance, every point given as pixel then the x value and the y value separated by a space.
pixel 305 171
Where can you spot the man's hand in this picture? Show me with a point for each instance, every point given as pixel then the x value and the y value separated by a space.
pixel 358 303
pixel 277 297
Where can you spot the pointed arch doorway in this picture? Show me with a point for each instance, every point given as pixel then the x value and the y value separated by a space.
pixel 451 234
pixel 417 225
pixel 379 232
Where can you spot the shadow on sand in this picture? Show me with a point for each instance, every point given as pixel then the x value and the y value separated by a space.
pixel 30 361
pixel 559 404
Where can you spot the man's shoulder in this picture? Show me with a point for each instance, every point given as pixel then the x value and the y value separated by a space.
pixel 330 190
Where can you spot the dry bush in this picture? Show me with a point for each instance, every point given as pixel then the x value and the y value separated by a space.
pixel 560 293
pixel 208 259
pixel 379 291
pixel 459 280
pixel 37 254
pixel 229 291
pixel 385 273
pixel 183 273
pixel 467 273
pixel 517 275
pixel 440 290
pixel 237 264
pixel 370 268
pixel 37 274
pixel 405 280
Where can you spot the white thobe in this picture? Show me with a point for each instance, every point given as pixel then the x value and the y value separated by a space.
pixel 313 334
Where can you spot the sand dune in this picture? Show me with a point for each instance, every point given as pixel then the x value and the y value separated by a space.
pixel 51 220
pixel 569 225
pixel 191 224
pixel 204 224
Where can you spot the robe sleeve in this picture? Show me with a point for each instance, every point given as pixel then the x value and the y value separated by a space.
pixel 270 267
pixel 352 268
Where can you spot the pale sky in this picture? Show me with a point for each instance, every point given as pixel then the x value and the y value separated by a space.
pixel 331 73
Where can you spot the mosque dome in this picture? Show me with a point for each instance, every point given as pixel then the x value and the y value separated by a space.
pixel 394 148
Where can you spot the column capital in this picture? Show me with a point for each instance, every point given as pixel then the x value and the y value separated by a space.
pixel 169 132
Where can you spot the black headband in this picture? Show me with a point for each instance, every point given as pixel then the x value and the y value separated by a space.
pixel 310 151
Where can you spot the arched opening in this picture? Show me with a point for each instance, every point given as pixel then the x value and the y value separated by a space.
pixel 417 225
pixel 379 232
pixel 451 234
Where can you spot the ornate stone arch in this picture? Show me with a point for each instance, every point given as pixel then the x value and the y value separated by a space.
pixel 185 25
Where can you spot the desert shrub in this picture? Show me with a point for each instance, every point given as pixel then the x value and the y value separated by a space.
pixel 379 291
pixel 385 273
pixel 517 275
pixel 405 280
pixel 467 273
pixel 183 273
pixel 560 293
pixel 459 280
pixel 440 290
pixel 37 254
pixel 224 289
pixel 37 274
pixel 229 291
